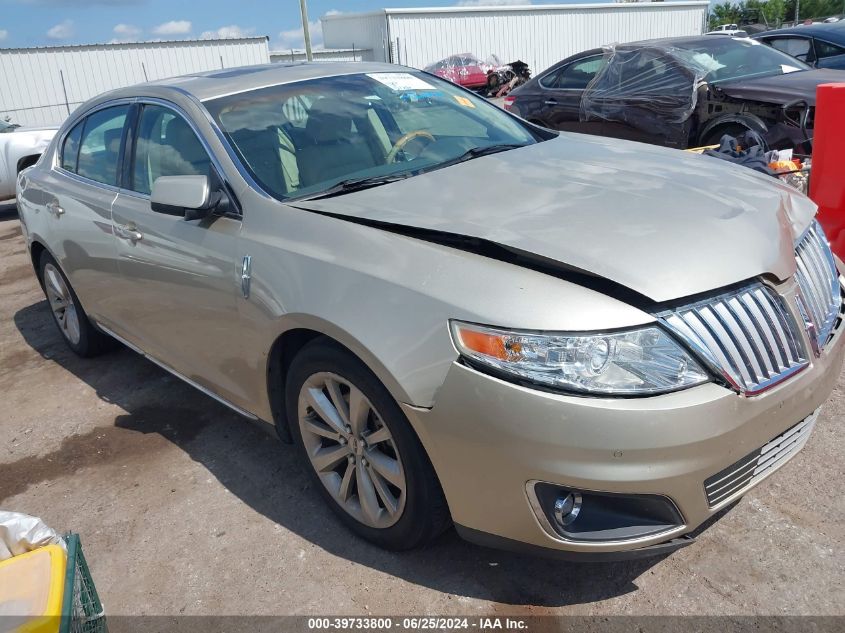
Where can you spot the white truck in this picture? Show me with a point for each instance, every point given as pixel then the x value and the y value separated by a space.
pixel 19 148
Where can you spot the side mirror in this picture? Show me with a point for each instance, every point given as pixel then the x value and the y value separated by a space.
pixel 188 196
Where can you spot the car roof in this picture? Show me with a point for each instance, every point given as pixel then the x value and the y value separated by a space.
pixel 218 83
pixel 687 40
pixel 660 43
pixel 834 31
pixel 663 42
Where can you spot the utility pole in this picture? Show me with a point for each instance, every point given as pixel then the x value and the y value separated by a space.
pixel 797 11
pixel 303 9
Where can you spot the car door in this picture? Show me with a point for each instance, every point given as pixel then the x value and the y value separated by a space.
pixel 177 300
pixel 562 91
pixel 77 199
pixel 645 96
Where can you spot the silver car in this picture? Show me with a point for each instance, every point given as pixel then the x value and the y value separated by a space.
pixel 569 344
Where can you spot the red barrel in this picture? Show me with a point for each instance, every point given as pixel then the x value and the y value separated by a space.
pixel 827 180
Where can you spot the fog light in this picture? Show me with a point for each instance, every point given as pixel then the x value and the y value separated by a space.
pixel 601 516
pixel 567 508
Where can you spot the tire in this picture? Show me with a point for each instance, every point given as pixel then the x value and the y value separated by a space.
pixel 76 329
pixel 714 137
pixel 410 509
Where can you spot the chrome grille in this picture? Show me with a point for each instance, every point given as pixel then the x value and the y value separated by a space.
pixel 759 464
pixel 747 336
pixel 819 281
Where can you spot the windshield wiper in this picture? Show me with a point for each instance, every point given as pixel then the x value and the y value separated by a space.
pixel 477 152
pixel 350 185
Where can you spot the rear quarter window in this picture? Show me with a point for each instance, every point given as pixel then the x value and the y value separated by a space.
pixel 70 148
pixel 826 49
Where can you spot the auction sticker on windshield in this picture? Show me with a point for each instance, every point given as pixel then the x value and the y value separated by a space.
pixel 401 81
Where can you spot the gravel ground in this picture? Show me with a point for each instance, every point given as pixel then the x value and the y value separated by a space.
pixel 185 508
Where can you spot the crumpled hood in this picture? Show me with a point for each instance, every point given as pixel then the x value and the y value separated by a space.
pixel 782 89
pixel 664 223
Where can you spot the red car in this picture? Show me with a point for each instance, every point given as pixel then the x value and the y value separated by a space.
pixel 465 70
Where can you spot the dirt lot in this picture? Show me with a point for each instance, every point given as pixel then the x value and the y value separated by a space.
pixel 184 507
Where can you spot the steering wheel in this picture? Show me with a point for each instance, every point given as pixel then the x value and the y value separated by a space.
pixel 399 145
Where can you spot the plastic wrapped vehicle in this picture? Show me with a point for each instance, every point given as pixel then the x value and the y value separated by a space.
pixel 465 70
pixel 650 87
pixel 679 92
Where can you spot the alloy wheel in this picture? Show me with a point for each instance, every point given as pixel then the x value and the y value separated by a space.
pixel 352 450
pixel 61 303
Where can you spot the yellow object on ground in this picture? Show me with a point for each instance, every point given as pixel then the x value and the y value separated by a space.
pixel 702 149
pixel 31 590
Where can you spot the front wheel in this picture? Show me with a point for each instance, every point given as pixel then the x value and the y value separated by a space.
pixel 714 137
pixel 361 451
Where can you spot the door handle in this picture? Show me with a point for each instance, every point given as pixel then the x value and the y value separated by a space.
pixel 129 233
pixel 551 102
pixel 54 208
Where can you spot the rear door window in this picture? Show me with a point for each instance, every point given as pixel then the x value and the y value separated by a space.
pixel 575 76
pixel 578 75
pixel 798 47
pixel 99 148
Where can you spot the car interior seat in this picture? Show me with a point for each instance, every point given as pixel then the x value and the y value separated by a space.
pixel 337 143
pixel 271 155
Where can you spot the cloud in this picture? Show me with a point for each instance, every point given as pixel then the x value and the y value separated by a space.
pixel 62 31
pixel 224 32
pixel 491 3
pixel 295 39
pixel 174 27
pixel 126 31
pixel 3 34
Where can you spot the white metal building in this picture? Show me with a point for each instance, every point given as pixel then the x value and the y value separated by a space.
pixel 323 55
pixel 539 35
pixel 41 86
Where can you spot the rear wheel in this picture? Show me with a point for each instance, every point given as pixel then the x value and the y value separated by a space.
pixel 76 329
pixel 361 451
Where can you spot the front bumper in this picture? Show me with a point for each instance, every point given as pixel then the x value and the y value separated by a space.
pixel 488 439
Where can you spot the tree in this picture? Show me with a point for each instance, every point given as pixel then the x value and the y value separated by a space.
pixel 811 9
pixel 770 12
pixel 725 13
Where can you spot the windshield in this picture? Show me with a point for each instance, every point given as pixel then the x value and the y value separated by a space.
pixel 732 58
pixel 303 138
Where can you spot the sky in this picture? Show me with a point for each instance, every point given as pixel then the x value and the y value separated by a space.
pixel 55 22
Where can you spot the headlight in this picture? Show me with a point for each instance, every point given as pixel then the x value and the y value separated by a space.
pixel 642 361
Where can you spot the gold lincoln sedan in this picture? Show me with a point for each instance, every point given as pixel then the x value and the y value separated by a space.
pixel 566 344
